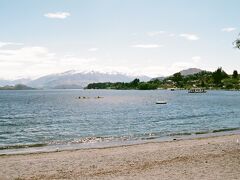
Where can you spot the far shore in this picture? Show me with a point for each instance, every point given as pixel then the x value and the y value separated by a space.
pixel 202 158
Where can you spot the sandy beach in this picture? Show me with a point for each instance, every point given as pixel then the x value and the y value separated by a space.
pixel 202 158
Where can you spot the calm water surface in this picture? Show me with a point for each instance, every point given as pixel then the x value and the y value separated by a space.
pixel 51 117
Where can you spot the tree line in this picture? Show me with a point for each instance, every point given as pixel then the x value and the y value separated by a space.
pixel 218 79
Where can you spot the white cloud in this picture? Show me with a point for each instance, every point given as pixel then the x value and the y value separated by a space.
pixel 155 33
pixel 36 61
pixel 33 62
pixel 152 71
pixel 25 54
pixel 73 62
pixel 182 65
pixel 147 46
pixel 229 29
pixel 172 35
pixel 93 49
pixel 157 70
pixel 25 61
pixel 57 15
pixel 10 43
pixel 190 37
pixel 196 59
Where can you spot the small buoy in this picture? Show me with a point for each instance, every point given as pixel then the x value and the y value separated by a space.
pixel 161 102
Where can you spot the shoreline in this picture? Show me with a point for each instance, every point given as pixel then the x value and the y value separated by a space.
pixel 202 158
pixel 46 148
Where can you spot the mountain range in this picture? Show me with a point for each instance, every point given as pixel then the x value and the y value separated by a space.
pixel 75 80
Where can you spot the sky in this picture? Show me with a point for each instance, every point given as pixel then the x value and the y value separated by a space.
pixel 137 37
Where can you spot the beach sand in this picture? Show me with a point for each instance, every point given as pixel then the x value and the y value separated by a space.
pixel 202 158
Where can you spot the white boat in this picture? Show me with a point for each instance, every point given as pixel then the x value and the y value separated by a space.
pixel 197 90
pixel 161 102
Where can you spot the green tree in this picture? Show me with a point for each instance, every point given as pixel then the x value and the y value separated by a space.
pixel 235 74
pixel 134 83
pixel 203 84
pixel 147 86
pixel 237 43
pixel 218 76
pixel 177 78
pixel 230 83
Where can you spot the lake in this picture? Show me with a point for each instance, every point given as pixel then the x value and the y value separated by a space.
pixel 58 117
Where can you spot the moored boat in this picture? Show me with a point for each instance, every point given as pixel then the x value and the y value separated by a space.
pixel 197 90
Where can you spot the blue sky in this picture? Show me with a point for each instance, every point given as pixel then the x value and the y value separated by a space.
pixel 151 37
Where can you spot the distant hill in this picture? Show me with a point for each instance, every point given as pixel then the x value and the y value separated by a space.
pixel 14 82
pixel 184 72
pixel 190 71
pixel 16 87
pixel 74 79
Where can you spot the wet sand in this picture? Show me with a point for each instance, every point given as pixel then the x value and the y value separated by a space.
pixel 202 158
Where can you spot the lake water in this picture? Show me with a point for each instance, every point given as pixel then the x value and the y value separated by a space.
pixel 58 117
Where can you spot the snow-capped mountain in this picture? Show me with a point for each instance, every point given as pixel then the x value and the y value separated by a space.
pixel 81 79
pixel 78 79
